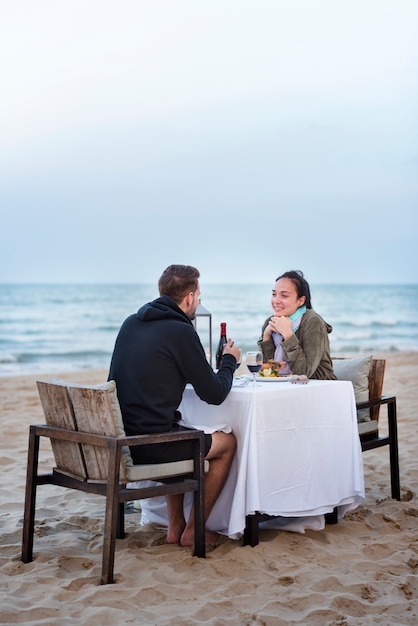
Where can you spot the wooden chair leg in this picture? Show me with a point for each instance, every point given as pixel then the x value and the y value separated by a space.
pixel 251 530
pixel 30 497
pixel 112 515
pixel 199 498
pixel 332 518
pixel 393 451
pixel 120 528
pixel 199 521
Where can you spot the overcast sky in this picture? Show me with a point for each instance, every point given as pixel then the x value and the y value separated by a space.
pixel 245 137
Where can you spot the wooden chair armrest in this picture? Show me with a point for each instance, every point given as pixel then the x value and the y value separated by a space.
pixel 376 402
pixel 65 434
pixel 102 441
pixel 182 435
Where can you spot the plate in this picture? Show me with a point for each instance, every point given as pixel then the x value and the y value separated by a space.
pixel 275 379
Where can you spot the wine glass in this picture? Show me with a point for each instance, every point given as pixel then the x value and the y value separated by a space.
pixel 254 361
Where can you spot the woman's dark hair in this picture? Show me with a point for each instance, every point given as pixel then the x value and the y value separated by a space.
pixel 301 284
pixel 177 281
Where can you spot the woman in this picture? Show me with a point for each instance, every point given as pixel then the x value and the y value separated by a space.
pixel 296 334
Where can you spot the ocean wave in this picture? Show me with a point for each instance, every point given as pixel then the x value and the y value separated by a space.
pixel 53 365
pixel 346 349
pixel 7 358
pixel 86 355
pixel 375 324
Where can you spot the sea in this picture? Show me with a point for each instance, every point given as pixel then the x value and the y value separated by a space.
pixel 55 328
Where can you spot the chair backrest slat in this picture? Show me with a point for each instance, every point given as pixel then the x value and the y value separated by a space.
pixel 58 411
pixel 376 377
pixel 94 412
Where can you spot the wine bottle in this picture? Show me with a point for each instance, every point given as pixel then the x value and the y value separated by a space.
pixel 222 342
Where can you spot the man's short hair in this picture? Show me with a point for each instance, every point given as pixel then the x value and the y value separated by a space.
pixel 177 281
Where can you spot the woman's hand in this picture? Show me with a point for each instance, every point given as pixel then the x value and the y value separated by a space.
pixel 281 325
pixel 267 333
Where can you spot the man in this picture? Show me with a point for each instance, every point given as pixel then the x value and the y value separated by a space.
pixel 156 353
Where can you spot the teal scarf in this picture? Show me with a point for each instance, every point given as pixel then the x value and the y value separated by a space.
pixel 296 318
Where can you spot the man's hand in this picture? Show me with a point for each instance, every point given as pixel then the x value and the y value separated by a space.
pixel 231 348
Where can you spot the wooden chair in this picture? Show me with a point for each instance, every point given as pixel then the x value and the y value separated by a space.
pixel 370 438
pixel 91 452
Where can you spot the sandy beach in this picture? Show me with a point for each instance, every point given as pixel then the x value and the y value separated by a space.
pixel 362 571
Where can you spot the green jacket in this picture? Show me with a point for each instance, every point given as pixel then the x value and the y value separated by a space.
pixel 307 351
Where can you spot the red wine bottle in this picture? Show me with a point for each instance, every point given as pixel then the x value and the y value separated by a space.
pixel 222 342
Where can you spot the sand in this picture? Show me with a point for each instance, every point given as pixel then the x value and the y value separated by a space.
pixel 364 570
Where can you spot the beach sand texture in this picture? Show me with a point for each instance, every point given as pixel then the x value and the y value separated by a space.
pixel 362 571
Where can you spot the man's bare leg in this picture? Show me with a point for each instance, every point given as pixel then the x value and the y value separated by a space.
pixel 220 457
pixel 176 521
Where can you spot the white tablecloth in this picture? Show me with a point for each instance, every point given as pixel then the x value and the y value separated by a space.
pixel 298 454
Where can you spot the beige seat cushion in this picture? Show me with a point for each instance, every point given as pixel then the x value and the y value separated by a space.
pixel 161 470
pixel 367 427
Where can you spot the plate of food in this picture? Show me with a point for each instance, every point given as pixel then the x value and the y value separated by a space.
pixel 275 379
pixel 273 370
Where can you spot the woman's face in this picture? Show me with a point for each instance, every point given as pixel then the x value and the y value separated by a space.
pixel 284 298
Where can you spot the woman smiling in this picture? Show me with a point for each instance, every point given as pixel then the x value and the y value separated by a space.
pixel 295 333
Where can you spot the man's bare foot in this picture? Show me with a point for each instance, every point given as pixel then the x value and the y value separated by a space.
pixel 187 538
pixel 174 533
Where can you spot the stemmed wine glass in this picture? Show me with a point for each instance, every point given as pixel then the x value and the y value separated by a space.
pixel 254 361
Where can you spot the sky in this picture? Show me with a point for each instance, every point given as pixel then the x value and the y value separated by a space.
pixel 244 137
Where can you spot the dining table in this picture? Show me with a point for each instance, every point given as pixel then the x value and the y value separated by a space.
pixel 298 454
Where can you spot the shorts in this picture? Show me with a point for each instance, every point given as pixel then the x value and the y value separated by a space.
pixel 169 451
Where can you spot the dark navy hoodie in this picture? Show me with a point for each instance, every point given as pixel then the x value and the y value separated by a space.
pixel 158 351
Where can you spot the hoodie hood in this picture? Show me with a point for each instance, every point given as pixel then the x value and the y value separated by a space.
pixel 162 308
pixel 312 313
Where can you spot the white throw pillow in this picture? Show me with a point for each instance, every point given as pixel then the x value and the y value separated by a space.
pixel 357 371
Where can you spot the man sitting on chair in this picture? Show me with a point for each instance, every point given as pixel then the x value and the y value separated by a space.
pixel 158 351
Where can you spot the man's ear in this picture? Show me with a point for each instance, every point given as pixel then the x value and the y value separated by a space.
pixel 187 301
